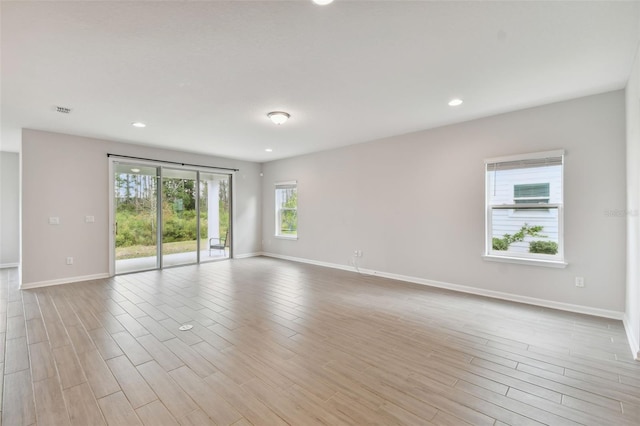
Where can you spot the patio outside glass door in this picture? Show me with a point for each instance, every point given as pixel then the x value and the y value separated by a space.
pixel 215 211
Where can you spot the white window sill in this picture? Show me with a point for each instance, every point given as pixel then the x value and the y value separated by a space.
pixel 523 261
pixel 286 237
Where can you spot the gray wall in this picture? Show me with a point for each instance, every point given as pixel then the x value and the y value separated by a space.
pixel 632 310
pixel 67 176
pixel 414 204
pixel 9 208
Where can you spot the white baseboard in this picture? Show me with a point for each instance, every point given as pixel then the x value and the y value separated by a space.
pixel 69 280
pixel 633 341
pixel 9 265
pixel 246 255
pixel 310 262
pixel 466 289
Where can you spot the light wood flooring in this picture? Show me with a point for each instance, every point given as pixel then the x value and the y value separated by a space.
pixel 276 342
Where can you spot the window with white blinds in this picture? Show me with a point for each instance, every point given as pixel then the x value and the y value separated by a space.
pixel 524 207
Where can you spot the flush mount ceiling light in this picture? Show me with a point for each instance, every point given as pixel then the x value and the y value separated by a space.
pixel 278 117
pixel 322 2
pixel 268 150
pixel 138 124
pixel 135 170
pixel 455 102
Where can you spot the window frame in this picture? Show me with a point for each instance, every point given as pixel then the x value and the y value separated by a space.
pixel 539 259
pixel 279 209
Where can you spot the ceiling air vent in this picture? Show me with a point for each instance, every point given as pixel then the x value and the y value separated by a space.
pixel 63 110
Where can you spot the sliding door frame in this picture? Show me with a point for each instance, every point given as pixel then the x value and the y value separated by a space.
pixel 114 159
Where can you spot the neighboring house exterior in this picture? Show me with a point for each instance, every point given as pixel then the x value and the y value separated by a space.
pixel 531 185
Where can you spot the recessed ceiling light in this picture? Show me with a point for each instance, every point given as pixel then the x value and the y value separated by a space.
pixel 455 102
pixel 135 170
pixel 278 117
pixel 138 124
pixel 268 149
pixel 322 2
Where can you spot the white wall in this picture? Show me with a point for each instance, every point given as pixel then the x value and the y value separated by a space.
pixel 9 208
pixel 632 308
pixel 414 204
pixel 67 176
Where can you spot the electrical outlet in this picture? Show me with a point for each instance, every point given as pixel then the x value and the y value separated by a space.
pixel 69 260
pixel 580 282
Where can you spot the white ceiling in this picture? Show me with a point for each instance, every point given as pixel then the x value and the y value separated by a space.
pixel 203 75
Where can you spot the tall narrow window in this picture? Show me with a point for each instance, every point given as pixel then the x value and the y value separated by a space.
pixel 287 209
pixel 525 208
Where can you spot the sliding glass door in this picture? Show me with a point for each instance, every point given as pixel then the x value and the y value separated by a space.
pixel 215 211
pixel 179 217
pixel 136 217
pixel 169 216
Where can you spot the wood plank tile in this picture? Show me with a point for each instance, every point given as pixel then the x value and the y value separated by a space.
pixel 190 357
pixel 80 338
pixel 42 363
pixel 353 412
pixel 51 409
pixel 88 319
pixel 235 368
pixel 132 383
pixel 155 328
pixel 16 327
pixel 161 353
pixel 405 417
pixel 176 400
pixel 98 374
pixel 16 355
pixel 117 410
pixel 565 412
pixel 186 336
pixel 214 405
pixel 156 414
pixel 56 332
pixel 286 405
pixel 134 351
pixel 133 310
pixel 83 408
pixel 69 368
pixel 1 387
pixel 250 408
pixel 131 325
pixel 445 419
pixel 197 418
pixel 109 322
pixel 152 311
pixel 105 344
pixel 18 401
pixel 14 309
pixel 36 331
pixel 2 346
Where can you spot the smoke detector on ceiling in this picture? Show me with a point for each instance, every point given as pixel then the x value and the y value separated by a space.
pixel 63 110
